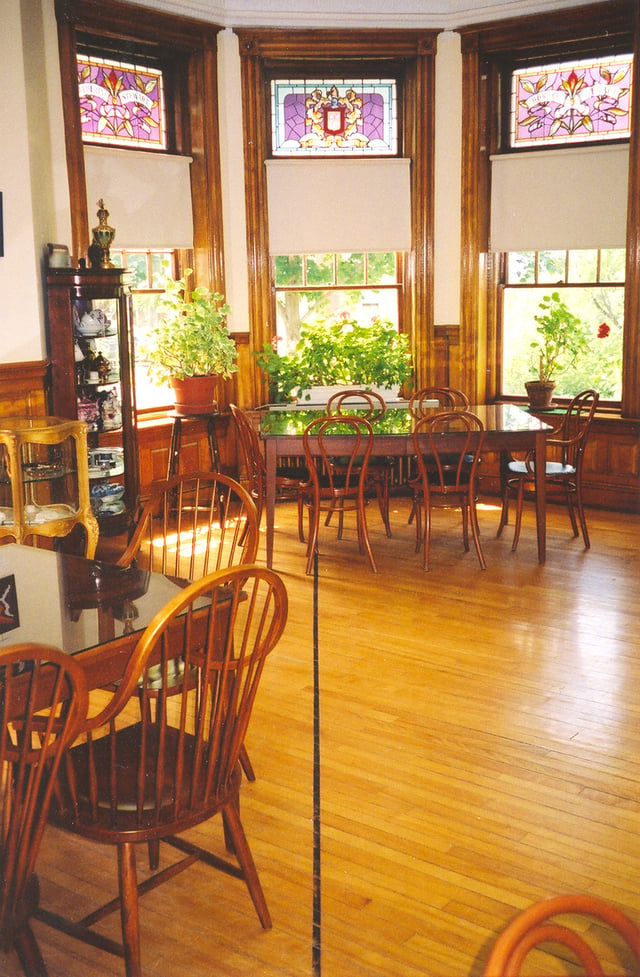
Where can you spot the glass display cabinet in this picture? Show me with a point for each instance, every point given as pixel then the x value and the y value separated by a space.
pixel 90 348
pixel 44 480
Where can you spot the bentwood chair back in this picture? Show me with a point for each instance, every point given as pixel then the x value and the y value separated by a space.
pixel 370 405
pixel 43 703
pixel 337 477
pixel 563 472
pixel 447 475
pixel 193 524
pixel 421 401
pixel 132 781
pixel 540 925
pixel 287 476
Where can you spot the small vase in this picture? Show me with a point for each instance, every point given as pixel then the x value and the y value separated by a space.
pixel 540 393
pixel 194 395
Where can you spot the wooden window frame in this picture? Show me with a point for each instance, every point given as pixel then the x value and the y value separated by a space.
pixel 188 49
pixel 601 27
pixel 264 51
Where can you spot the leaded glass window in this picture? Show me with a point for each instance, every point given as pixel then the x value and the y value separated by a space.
pixel 121 104
pixel 328 117
pixel 579 101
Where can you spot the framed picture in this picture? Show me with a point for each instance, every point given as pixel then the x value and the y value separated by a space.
pixel 9 618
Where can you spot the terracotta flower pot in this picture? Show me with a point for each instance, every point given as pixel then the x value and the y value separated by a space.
pixel 195 395
pixel 540 393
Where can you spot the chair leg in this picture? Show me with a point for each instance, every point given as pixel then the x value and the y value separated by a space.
pixel 31 960
pixel 129 908
pixel 427 533
pixel 519 504
pixel 245 860
pixel 475 532
pixel 577 494
pixel 382 495
pixel 312 543
pixel 465 527
pixel 363 534
pixel 246 764
pixel 154 855
pixel 504 514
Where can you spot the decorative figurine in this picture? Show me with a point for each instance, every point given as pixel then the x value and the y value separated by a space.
pixel 103 236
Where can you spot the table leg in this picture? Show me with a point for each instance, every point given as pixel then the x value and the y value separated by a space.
pixel 214 449
pixel 541 494
pixel 173 463
pixel 270 495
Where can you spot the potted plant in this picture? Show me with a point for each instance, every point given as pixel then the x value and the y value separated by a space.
pixel 339 351
pixel 191 346
pixel 561 342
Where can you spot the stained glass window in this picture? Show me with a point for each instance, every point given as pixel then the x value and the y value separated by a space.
pixel 581 101
pixel 329 117
pixel 121 104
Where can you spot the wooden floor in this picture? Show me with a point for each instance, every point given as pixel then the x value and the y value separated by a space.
pixel 479 751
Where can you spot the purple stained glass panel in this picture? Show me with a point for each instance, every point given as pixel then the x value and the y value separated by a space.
pixel 369 111
pixel 572 102
pixel 121 104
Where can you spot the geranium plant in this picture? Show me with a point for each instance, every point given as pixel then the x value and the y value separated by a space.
pixel 562 338
pixel 339 351
pixel 191 338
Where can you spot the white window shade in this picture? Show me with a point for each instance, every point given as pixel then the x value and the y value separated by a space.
pixel 148 196
pixel 560 199
pixel 318 206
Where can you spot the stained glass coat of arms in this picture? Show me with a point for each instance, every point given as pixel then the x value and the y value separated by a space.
pixel 121 104
pixel 325 117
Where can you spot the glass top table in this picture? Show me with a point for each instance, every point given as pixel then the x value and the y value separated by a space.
pixel 87 608
pixel 507 428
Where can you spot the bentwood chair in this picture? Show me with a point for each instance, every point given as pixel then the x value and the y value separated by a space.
pixel 336 482
pixel 537 926
pixel 43 703
pixel 563 474
pixel 446 476
pixel 155 777
pixel 448 398
pixel 287 476
pixel 370 405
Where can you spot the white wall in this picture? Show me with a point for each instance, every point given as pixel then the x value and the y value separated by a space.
pixel 32 171
pixel 34 182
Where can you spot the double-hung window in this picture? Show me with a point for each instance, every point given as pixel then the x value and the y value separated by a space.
pixel 558 215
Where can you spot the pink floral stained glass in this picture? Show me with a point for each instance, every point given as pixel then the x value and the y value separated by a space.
pixel 121 104
pixel 582 101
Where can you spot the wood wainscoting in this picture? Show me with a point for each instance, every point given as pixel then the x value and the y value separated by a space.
pixel 23 389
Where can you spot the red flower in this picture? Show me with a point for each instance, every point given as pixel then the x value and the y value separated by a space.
pixel 603 330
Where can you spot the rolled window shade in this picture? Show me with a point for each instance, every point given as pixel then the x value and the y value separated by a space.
pixel 560 199
pixel 318 206
pixel 148 196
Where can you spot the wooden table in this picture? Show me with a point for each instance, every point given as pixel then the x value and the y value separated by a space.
pixel 507 428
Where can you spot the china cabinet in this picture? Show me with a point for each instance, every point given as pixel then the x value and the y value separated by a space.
pixel 44 479
pixel 90 348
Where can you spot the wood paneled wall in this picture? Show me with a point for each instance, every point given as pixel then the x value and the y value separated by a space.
pixel 612 463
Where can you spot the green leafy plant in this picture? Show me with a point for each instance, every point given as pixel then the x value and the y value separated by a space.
pixel 562 338
pixel 191 338
pixel 339 351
